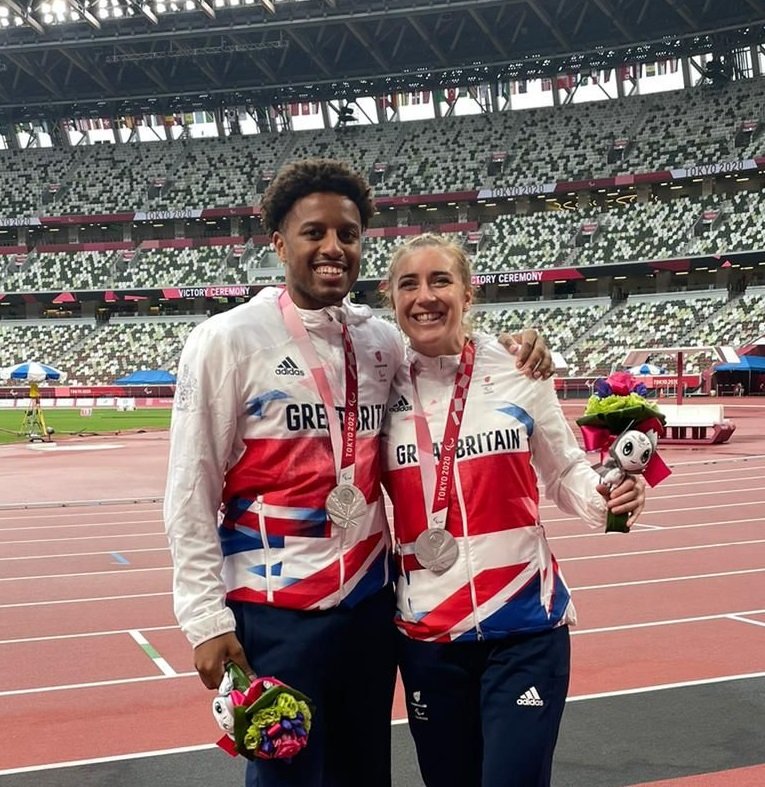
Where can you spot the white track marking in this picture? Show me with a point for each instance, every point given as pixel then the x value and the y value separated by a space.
pixel 661 580
pixel 689 548
pixel 106 523
pixel 741 619
pixel 50 602
pixel 394 723
pixel 87 574
pixel 741 616
pixel 152 653
pixel 85 538
pixel 88 554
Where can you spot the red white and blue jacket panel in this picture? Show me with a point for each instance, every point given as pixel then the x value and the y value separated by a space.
pixel 505 579
pixel 251 466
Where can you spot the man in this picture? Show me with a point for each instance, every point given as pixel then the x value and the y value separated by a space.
pixel 275 433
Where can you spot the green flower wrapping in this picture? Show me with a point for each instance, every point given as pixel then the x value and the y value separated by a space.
pixel 617 405
pixel 285 705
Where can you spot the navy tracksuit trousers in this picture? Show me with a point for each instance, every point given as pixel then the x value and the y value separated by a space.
pixel 487 713
pixel 344 659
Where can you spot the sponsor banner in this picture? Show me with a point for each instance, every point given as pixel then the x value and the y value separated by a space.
pixel 520 190
pixel 718 168
pixel 521 277
pixel 20 221
pixel 167 215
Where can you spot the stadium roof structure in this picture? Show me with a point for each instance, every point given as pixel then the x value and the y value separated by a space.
pixel 723 353
pixel 63 58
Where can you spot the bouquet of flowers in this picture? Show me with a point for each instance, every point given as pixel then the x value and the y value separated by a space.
pixel 615 412
pixel 264 718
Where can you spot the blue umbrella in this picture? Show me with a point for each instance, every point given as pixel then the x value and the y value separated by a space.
pixel 33 372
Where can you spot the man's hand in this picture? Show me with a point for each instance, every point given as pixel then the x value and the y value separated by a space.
pixel 532 354
pixel 628 497
pixel 211 657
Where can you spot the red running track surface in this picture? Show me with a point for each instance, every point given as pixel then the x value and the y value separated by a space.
pixel 91 658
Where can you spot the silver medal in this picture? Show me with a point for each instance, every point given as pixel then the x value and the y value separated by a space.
pixel 346 505
pixel 436 550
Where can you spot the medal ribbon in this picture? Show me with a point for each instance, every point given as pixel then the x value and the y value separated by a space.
pixel 438 479
pixel 342 438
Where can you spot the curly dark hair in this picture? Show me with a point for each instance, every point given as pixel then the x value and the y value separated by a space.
pixel 309 176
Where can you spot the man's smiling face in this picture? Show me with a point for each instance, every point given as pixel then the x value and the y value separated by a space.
pixel 319 243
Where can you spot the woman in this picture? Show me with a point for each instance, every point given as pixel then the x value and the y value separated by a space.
pixel 483 610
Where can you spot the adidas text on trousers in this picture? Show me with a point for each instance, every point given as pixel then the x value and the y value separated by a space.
pixel 487 713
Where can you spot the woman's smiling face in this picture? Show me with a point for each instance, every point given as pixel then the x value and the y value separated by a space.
pixel 430 300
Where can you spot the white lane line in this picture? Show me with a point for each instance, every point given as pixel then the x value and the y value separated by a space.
pixel 86 574
pixel 574 631
pixel 152 653
pixel 654 512
pixel 689 548
pixel 394 723
pixel 96 684
pixel 674 495
pixel 105 523
pixel 661 580
pixel 79 514
pixel 50 602
pixel 653 528
pixel 102 760
pixel 115 632
pixel 668 622
pixel 567 559
pixel 123 501
pixel 579 589
pixel 60 555
pixel 741 619
pixel 86 538
pixel 684 684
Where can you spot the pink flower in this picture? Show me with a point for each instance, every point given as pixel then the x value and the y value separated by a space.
pixel 237 698
pixel 287 746
pixel 621 383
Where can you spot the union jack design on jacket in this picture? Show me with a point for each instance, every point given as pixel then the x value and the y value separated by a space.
pixel 251 465
pixel 505 579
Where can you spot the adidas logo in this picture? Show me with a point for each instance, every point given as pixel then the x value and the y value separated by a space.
pixel 530 697
pixel 288 366
pixel 401 406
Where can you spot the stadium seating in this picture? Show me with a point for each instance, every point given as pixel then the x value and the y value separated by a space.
pixel 666 130
pixel 48 341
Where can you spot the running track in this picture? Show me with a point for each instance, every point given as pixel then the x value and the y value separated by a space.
pixel 93 666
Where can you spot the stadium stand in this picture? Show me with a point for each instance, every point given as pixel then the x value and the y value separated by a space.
pixel 124 345
pixel 678 129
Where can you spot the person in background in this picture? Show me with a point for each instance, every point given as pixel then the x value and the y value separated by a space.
pixel 482 608
pixel 273 507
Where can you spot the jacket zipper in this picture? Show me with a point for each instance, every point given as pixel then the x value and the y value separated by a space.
pixel 468 564
pixel 266 549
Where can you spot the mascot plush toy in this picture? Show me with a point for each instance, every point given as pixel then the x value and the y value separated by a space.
pixel 630 453
pixel 625 427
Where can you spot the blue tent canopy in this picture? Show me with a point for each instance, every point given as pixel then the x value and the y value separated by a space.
pixel 747 363
pixel 147 377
